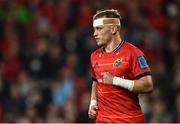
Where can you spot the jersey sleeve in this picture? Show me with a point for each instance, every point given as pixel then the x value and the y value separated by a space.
pixel 139 65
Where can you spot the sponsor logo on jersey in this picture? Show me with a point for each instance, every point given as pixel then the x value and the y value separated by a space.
pixel 117 62
pixel 142 62
pixel 96 65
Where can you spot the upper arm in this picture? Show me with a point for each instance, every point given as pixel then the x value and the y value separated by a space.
pixel 143 85
pixel 139 65
pixel 141 71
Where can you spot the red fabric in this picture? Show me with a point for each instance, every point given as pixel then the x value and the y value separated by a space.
pixel 2 2
pixel 149 5
pixel 120 6
pixel 31 33
pixel 158 23
pixel 47 11
pixel 156 16
pixel 59 22
pixel 152 55
pixel 5 46
pixel 12 65
pixel 80 88
pixel 116 104
pixel 12 69
pixel 85 17
pixel 139 119
pixel 22 2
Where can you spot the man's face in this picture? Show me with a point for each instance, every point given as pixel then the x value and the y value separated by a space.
pixel 102 35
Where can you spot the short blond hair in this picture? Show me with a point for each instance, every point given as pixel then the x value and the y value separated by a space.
pixel 109 13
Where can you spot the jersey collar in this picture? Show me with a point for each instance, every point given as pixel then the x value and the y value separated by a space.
pixel 116 49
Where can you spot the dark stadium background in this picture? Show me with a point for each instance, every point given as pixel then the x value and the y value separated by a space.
pixel 45 47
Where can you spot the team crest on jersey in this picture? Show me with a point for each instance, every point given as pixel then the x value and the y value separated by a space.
pixel 117 62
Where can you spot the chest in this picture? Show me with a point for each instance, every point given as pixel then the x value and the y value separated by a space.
pixel 115 63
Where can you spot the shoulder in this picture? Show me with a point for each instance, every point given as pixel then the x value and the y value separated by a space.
pixel 96 53
pixel 132 48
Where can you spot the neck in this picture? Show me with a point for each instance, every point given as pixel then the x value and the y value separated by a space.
pixel 115 41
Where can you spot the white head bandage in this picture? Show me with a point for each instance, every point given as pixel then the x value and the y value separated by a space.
pixel 106 21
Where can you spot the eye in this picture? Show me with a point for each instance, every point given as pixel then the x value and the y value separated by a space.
pixel 98 28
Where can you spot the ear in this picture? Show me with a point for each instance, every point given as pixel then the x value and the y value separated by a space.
pixel 114 29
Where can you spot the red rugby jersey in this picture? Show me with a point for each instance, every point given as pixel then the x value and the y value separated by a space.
pixel 115 103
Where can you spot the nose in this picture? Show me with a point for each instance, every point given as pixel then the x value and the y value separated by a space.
pixel 95 33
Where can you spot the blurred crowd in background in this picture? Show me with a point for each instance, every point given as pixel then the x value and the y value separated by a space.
pixel 45 46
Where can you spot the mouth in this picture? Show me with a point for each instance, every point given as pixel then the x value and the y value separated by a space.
pixel 96 38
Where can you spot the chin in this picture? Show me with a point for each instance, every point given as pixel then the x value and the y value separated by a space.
pixel 99 44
